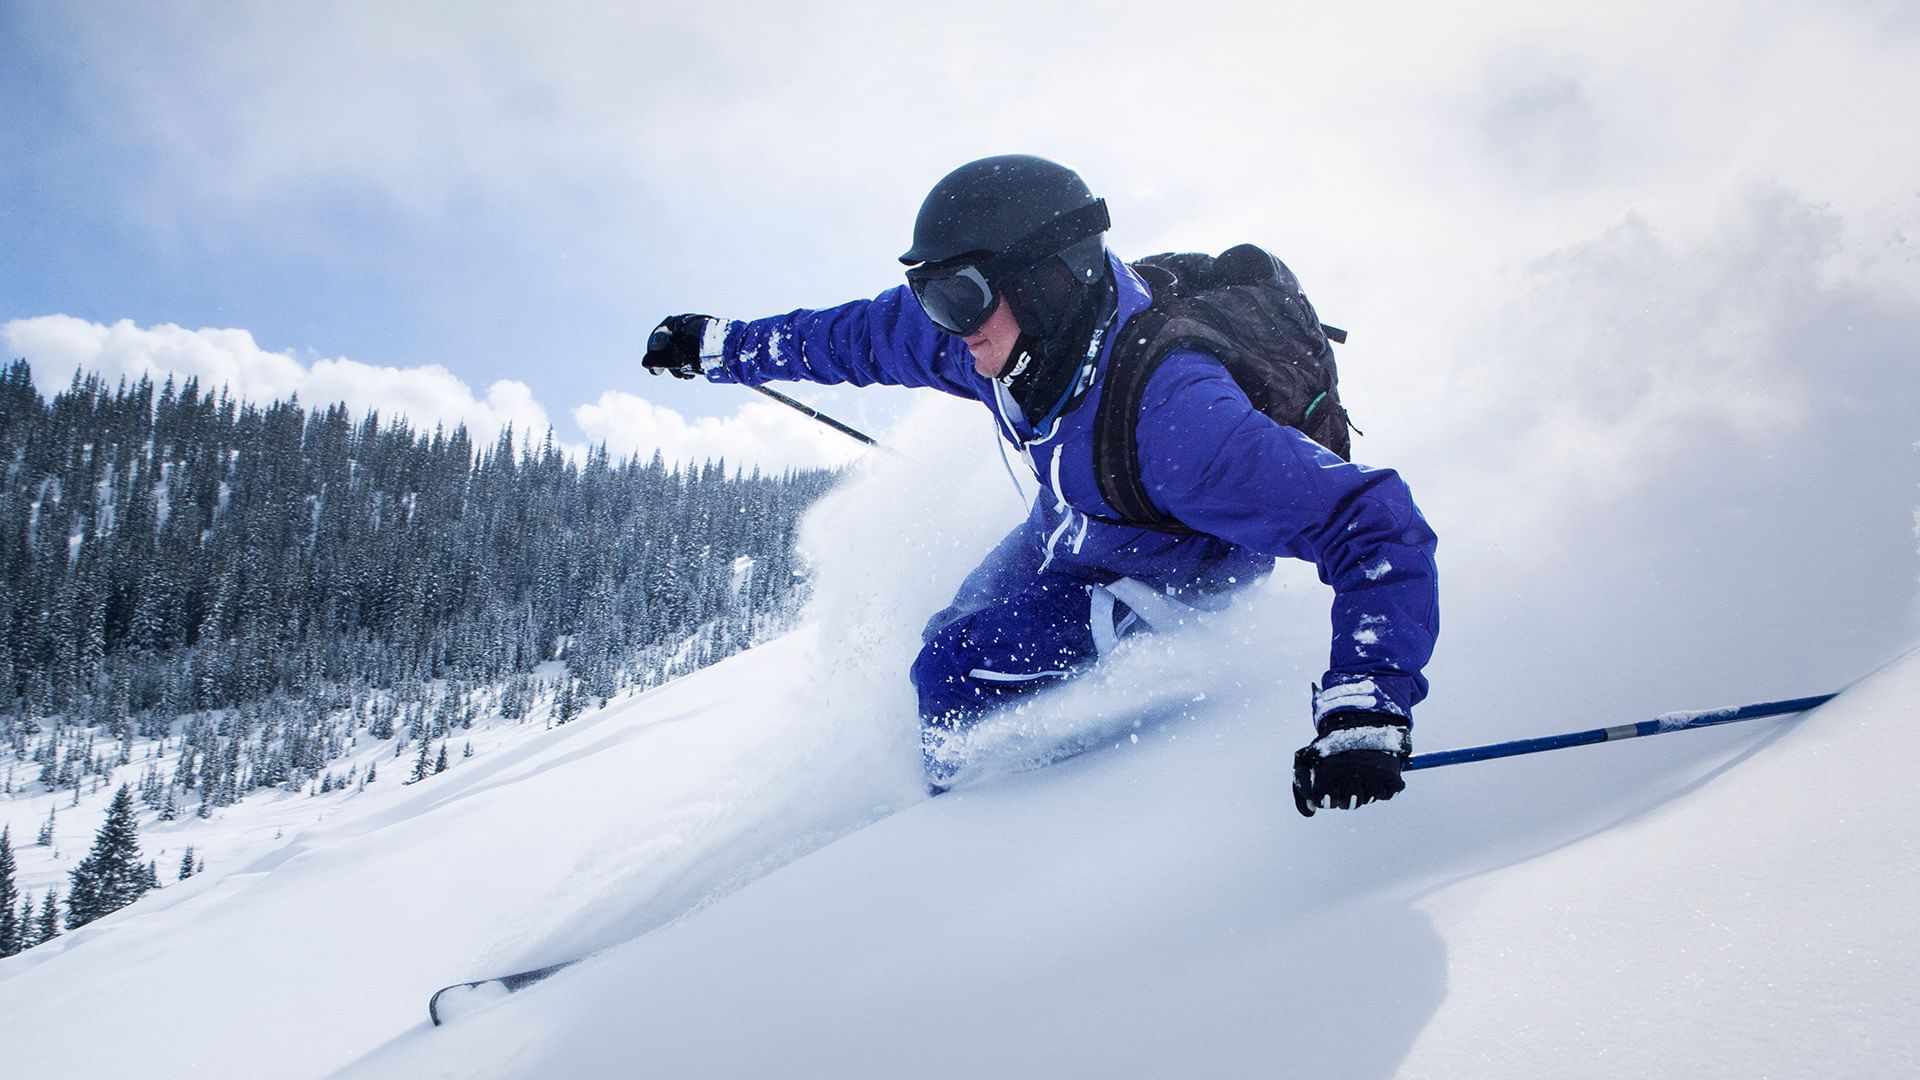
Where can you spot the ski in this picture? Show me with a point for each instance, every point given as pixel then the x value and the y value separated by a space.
pixel 464 999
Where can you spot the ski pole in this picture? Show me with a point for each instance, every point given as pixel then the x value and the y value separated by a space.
pixel 1660 725
pixel 816 414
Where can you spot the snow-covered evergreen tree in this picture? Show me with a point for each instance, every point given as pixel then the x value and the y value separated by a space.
pixel 112 875
pixel 47 926
pixel 422 764
pixel 11 927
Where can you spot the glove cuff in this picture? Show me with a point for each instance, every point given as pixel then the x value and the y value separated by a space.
pixel 1392 738
pixel 713 340
pixel 1356 695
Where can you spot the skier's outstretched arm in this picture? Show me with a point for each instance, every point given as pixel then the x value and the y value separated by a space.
pixel 886 340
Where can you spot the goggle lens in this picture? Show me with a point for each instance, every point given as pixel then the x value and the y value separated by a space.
pixel 957 299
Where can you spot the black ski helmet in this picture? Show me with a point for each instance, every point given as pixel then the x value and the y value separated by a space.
pixel 1027 230
pixel 1010 212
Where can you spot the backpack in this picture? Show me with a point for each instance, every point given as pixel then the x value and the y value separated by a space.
pixel 1244 307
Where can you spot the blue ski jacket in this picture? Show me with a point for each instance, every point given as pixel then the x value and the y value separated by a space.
pixel 1254 489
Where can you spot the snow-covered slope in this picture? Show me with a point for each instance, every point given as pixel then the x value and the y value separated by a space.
pixel 1158 910
pixel 1150 909
pixel 773 895
pixel 1758 923
pixel 597 831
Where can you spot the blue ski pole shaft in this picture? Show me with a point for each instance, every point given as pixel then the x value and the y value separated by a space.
pixel 1658 726
pixel 816 414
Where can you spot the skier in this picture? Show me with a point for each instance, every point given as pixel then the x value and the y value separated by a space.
pixel 1012 298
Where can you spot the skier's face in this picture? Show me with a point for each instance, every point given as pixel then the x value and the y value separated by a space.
pixel 993 343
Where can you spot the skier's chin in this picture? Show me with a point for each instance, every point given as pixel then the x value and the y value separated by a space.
pixel 989 359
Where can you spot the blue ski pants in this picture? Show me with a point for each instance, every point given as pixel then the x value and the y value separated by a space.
pixel 1056 627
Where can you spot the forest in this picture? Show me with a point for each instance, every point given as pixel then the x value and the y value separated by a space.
pixel 257 586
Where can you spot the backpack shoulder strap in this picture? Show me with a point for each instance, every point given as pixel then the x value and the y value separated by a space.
pixel 1245 309
pixel 1178 318
pixel 1116 435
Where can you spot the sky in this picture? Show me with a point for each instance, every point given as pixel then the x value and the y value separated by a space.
pixel 474 212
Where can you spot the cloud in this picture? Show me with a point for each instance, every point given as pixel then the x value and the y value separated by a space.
pixel 1676 466
pixel 757 433
pixel 1616 358
pixel 57 345
pixel 689 110
pixel 766 435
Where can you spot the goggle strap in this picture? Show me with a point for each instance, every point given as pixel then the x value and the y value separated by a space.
pixel 1049 239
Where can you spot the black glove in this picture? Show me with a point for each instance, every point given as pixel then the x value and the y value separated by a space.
pixel 674 346
pixel 1356 759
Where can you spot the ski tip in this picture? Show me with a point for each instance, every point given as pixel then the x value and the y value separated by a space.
pixel 464 999
pixel 450 1003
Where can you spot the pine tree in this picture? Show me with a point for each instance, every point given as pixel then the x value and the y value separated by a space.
pixel 186 864
pixel 45 839
pixel 11 930
pixel 440 763
pixel 48 926
pixel 422 764
pixel 112 875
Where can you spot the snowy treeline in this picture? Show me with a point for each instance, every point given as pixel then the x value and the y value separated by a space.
pixel 293 576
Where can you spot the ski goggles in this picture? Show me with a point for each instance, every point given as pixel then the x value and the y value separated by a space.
pixel 956 297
